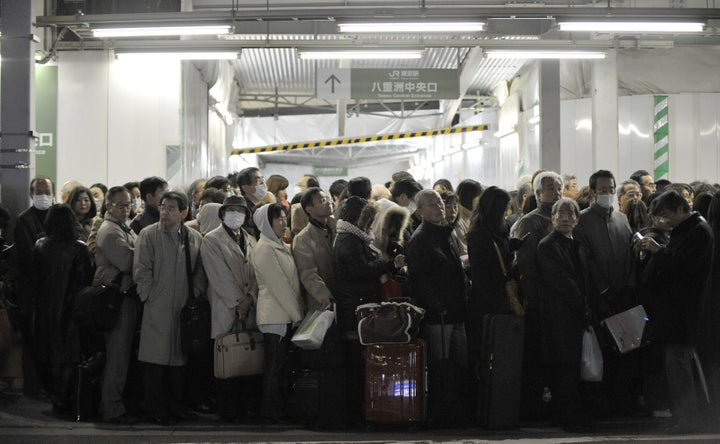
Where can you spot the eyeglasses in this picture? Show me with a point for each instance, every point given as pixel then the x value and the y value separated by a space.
pixel 121 206
pixel 168 208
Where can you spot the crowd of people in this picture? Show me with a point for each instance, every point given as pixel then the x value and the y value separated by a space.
pixel 263 262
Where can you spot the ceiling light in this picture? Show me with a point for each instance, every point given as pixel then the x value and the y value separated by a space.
pixel 348 54
pixel 412 27
pixel 669 27
pixel 529 54
pixel 183 55
pixel 159 31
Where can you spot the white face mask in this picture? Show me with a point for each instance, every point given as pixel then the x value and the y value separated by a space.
pixel 98 204
pixel 412 207
pixel 297 189
pixel 604 200
pixel 260 192
pixel 42 201
pixel 229 193
pixel 234 219
pixel 136 204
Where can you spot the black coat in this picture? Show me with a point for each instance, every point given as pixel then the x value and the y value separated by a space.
pixel 488 293
pixel 28 229
pixel 679 274
pixel 565 284
pixel 61 270
pixel 357 269
pixel 437 279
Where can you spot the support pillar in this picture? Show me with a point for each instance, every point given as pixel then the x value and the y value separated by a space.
pixel 17 105
pixel 550 115
pixel 605 135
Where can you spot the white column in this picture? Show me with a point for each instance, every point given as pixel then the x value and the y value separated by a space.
pixel 605 113
pixel 550 115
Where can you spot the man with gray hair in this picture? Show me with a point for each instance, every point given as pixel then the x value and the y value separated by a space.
pixel 533 227
pixel 439 285
pixel 570 190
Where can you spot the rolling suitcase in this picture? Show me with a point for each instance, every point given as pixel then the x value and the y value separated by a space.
pixel 395 382
pixel 317 398
pixel 500 371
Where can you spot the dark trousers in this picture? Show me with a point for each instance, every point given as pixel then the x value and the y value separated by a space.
pixel 355 378
pixel 163 389
pixel 200 371
pixel 565 386
pixel 276 354
pixel 679 370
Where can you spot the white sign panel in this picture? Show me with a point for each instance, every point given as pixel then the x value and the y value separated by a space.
pixel 333 83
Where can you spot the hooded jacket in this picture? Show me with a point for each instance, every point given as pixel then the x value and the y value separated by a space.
pixel 279 297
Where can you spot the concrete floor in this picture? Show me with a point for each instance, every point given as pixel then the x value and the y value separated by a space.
pixel 24 420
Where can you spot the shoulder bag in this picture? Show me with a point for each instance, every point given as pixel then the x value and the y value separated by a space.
pixel 195 315
pixel 512 286
pixel 97 307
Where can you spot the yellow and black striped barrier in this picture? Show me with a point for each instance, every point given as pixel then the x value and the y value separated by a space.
pixel 354 140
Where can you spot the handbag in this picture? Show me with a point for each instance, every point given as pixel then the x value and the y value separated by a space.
pixel 195 315
pixel 512 286
pixel 97 307
pixel 311 332
pixel 388 322
pixel 238 353
pixel 591 363
pixel 628 328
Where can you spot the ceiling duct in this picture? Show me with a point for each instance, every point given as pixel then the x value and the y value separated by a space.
pixel 513 26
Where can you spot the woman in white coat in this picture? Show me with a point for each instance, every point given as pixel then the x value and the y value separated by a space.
pixel 279 305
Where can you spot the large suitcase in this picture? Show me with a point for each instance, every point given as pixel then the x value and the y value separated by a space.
pixel 500 371
pixel 240 353
pixel 317 398
pixel 395 382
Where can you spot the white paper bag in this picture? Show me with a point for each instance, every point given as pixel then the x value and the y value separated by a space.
pixel 311 333
pixel 591 365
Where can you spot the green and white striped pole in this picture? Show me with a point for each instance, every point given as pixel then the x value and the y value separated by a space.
pixel 662 140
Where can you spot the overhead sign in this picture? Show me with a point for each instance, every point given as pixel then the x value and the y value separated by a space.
pixel 388 84
pixel 333 83
pixel 408 84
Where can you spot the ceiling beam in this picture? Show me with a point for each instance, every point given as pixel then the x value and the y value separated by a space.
pixel 333 14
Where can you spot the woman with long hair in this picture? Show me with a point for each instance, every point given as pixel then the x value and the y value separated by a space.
pixel 62 268
pixel 487 246
pixel 83 205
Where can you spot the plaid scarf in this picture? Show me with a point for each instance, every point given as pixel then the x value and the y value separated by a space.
pixel 346 227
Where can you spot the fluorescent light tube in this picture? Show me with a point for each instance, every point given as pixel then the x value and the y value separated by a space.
pixel 669 27
pixel 159 31
pixel 412 27
pixel 360 54
pixel 156 56
pixel 529 54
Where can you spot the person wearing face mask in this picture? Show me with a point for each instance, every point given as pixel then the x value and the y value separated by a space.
pixel 232 288
pixel 253 188
pixel 606 234
pixel 28 229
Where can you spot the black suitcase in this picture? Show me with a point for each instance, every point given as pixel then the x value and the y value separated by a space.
pixel 500 371
pixel 317 398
